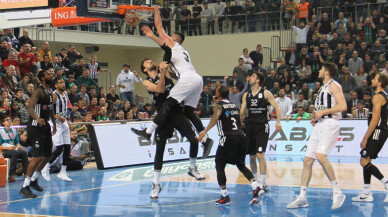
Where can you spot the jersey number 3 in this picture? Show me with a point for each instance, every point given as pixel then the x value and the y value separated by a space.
pixel 186 57
pixel 234 123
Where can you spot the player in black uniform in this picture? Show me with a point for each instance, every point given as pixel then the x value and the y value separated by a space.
pixel 257 103
pixel 39 132
pixel 232 147
pixel 158 86
pixel 374 138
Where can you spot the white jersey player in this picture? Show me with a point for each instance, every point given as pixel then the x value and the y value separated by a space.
pixel 61 139
pixel 329 104
pixel 188 88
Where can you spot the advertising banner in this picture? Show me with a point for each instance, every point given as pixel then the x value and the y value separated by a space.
pixel 15 4
pixel 67 16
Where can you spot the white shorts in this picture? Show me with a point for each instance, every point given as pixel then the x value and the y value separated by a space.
pixel 188 89
pixel 62 136
pixel 323 137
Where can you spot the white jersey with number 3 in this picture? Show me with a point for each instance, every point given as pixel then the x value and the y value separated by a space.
pixel 180 61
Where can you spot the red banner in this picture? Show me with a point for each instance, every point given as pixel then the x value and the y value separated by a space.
pixel 68 17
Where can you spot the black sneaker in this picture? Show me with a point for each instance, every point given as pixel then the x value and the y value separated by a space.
pixel 26 192
pixel 224 201
pixel 265 188
pixel 34 185
pixel 142 133
pixel 255 197
pixel 207 147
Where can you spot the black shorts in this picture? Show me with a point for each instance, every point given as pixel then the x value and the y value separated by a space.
pixel 40 140
pixel 374 144
pixel 175 120
pixel 257 138
pixel 231 150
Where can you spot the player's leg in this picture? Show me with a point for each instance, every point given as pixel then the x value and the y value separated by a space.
pixel 261 144
pixel 65 161
pixel 46 170
pixel 161 138
pixel 251 149
pixel 221 178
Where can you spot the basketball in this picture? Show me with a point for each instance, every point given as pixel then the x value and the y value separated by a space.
pixel 132 18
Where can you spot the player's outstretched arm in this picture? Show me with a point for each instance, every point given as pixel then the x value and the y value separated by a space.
pixel 243 108
pixel 377 101
pixel 341 106
pixel 217 110
pixel 159 27
pixel 148 32
pixel 269 97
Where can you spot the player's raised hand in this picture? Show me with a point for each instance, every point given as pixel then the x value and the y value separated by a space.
pixel 155 7
pixel 163 66
pixel 147 31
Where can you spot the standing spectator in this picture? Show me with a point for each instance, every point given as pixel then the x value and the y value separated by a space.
pixel 257 58
pixel 274 8
pixel 301 32
pixel 341 19
pixel 301 102
pixel 251 16
pixel 177 13
pixel 248 62
pixel 73 54
pixel 208 14
pixel 241 68
pixel 26 60
pixel 86 79
pixel 219 8
pixel 368 28
pixel 165 13
pixel 291 10
pixel 9 37
pixel 45 64
pixel 264 14
pixel 347 82
pixel 186 20
pixel 325 26
pixel 44 50
pixel 3 50
pixel 25 39
pixel 303 11
pixel 285 104
pixel 238 16
pixel 94 68
pixel 196 21
pixel 206 100
pixel 125 80
pixel 354 63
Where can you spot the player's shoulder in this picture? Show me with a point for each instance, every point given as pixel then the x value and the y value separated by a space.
pixel 335 86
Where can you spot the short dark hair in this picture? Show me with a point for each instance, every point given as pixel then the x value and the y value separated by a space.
pixel 46 55
pixel 19 89
pixel 83 85
pixel 331 67
pixel 384 80
pixel 240 59
pixel 181 37
pixel 92 87
pixel 260 76
pixel 57 80
pixel 142 67
pixel 223 91
pixel 301 107
pixel 41 75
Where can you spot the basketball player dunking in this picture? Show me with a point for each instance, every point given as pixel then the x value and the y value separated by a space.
pixel 329 105
pixel 186 90
pixel 39 132
pixel 374 139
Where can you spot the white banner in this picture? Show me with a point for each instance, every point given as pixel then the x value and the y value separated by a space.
pixel 120 147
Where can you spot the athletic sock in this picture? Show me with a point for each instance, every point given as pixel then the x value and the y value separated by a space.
pixel 303 192
pixel 254 184
pixel 367 187
pixel 151 128
pixel 255 176
pixel 27 181
pixel 48 165
pixel 384 181
pixel 35 176
pixel 224 192
pixel 263 178
pixel 193 161
pixel 156 177
pixel 63 169
pixel 334 184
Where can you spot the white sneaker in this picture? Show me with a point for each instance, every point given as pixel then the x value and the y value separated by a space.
pixel 338 200
pixel 156 189
pixel 363 196
pixel 193 171
pixel 46 173
pixel 64 177
pixel 298 203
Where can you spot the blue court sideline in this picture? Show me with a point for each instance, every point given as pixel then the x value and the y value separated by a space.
pixel 98 193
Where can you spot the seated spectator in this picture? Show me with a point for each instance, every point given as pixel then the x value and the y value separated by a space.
pixel 301 102
pixel 363 89
pixel 288 90
pixel 311 110
pixel 301 114
pixel 10 81
pixel 15 110
pixel 82 94
pixel 206 99
pixel 341 19
pixel 271 79
pixel 79 152
pixel 73 54
pixel 10 147
pixel 81 129
pixel 10 38
pixel 359 77
pixel 120 115
pixel 26 60
pixel 5 109
pixel 102 103
pixel 354 63
pixel 382 64
pixel 73 94
pixel 360 111
pixel 45 64
pixel 341 30
pixel 240 69
pixel 347 82
pixel 103 115
pixel 22 84
pixel 367 100
pixel 283 67
pixel 334 41
pixel 317 87
pixel 86 79
pixel 74 111
pixel 70 82
pixel 368 63
pixel 237 80
pixel 307 92
pixel 383 38
pixel 126 107
pixel 25 39
pixel 89 117
pixel 113 98
pixel 135 112
pixel 94 108
pixel 59 74
pixel 285 104
pixel 92 92
pixel 287 78
pixel 148 109
pixel 82 106
pixel 45 50
pixel 101 93
pixel 275 89
pixel 130 115
pixel 24 115
pixel 12 61
pixel 304 69
pixel 292 57
pixel 352 102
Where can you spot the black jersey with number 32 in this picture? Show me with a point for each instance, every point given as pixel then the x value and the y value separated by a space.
pixel 258 108
pixel 382 124
pixel 158 98
pixel 229 120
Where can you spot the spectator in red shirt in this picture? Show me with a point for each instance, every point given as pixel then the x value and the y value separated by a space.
pixel 26 60
pixel 12 61
pixel 94 108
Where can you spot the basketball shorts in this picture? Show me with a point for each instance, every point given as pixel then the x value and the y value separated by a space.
pixel 374 144
pixel 231 150
pixel 62 136
pixel 323 137
pixel 257 138
pixel 188 89
pixel 40 139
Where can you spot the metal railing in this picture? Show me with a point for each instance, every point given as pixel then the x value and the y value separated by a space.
pixel 353 10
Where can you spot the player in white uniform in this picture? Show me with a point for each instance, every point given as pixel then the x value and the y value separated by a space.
pixel 62 138
pixel 329 104
pixel 188 88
